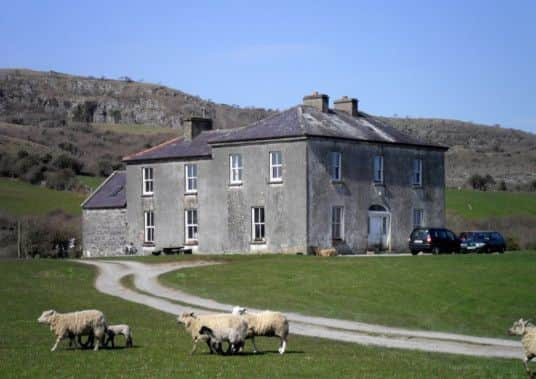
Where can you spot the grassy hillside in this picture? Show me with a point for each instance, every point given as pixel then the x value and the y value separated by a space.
pixel 90 181
pixel 20 198
pixel 162 349
pixel 469 294
pixel 477 204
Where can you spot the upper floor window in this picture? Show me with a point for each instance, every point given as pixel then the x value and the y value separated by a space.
pixel 276 166
pixel 257 224
pixel 418 218
pixel 417 172
pixel 235 168
pixel 190 175
pixel 337 223
pixel 149 227
pixel 336 160
pixel 191 225
pixel 378 169
pixel 148 180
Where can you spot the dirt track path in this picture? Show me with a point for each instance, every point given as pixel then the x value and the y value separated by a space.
pixel 165 299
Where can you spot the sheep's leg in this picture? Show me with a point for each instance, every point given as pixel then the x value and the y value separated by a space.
pixel 255 350
pixel 99 338
pixel 58 339
pixel 194 347
pixel 282 346
pixel 526 361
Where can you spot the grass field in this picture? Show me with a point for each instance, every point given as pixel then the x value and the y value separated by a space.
pixel 469 294
pixel 91 181
pixel 161 348
pixel 477 204
pixel 20 198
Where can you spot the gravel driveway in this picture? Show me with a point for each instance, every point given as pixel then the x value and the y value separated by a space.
pixel 155 295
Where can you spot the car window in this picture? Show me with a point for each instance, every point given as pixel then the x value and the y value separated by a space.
pixel 451 235
pixel 419 234
pixel 443 234
pixel 496 236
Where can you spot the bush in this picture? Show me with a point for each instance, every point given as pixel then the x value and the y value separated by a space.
pixel 104 167
pixel 66 161
pixel 511 244
pixel 61 180
pixel 34 175
pixel 502 186
pixel 481 183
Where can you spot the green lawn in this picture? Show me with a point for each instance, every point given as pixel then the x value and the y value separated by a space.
pixel 20 198
pixel 469 294
pixel 478 204
pixel 91 181
pixel 162 348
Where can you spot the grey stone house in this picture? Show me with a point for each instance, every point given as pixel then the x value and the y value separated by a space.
pixel 311 176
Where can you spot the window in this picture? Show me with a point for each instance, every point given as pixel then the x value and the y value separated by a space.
pixel 418 218
pixel 378 169
pixel 190 175
pixel 191 226
pixel 336 160
pixel 148 180
pixel 149 227
pixel 337 222
pixel 257 223
pixel 235 164
pixel 417 172
pixel 276 166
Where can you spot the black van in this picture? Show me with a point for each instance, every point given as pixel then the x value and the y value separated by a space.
pixel 433 240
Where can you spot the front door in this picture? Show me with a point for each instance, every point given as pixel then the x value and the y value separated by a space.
pixel 378 237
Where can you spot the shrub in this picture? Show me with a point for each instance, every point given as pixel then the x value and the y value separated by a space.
pixel 66 161
pixel 502 186
pixel 34 175
pixel 61 180
pixel 104 167
pixel 511 244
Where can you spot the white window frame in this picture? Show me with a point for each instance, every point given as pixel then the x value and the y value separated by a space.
pixel 276 166
pixel 258 222
pixel 378 169
pixel 417 172
pixel 190 179
pixel 235 168
pixel 191 225
pixel 337 223
pixel 149 229
pixel 147 174
pixel 336 166
pixel 420 213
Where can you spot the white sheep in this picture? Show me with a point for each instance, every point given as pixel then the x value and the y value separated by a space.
pixel 267 324
pixel 119 330
pixel 527 331
pixel 230 328
pixel 82 323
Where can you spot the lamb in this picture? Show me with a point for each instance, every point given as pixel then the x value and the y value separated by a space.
pixel 226 327
pixel 65 325
pixel 214 342
pixel 121 329
pixel 527 331
pixel 329 252
pixel 267 324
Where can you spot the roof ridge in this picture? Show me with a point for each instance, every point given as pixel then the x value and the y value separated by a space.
pixel 165 143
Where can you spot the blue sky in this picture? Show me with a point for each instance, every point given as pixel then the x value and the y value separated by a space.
pixel 468 60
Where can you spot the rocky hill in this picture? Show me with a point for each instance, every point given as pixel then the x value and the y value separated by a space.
pixel 34 98
pixel 105 118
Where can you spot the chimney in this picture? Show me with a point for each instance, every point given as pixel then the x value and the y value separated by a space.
pixel 193 126
pixel 318 101
pixel 347 105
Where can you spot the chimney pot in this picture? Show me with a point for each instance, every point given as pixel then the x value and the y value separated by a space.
pixel 347 105
pixel 193 126
pixel 317 100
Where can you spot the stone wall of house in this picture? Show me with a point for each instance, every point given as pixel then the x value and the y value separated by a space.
pixel 104 232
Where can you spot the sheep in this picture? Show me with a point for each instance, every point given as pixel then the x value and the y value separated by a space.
pixel 215 343
pixel 65 325
pixel 226 327
pixel 114 330
pixel 528 332
pixel 267 324
pixel 329 252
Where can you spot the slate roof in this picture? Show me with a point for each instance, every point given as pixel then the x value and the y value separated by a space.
pixel 110 194
pixel 299 121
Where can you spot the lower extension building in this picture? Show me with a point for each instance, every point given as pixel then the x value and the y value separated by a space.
pixel 311 176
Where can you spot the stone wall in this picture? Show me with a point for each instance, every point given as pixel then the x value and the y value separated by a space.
pixel 104 232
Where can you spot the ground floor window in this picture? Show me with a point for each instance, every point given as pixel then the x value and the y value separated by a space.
pixel 418 218
pixel 149 226
pixel 257 224
pixel 191 225
pixel 337 217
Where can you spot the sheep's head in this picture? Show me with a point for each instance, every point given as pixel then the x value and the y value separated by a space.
pixel 45 316
pixel 518 328
pixel 239 310
pixel 186 318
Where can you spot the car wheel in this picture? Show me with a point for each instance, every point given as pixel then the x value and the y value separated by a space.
pixel 501 250
pixel 435 250
pixel 414 252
